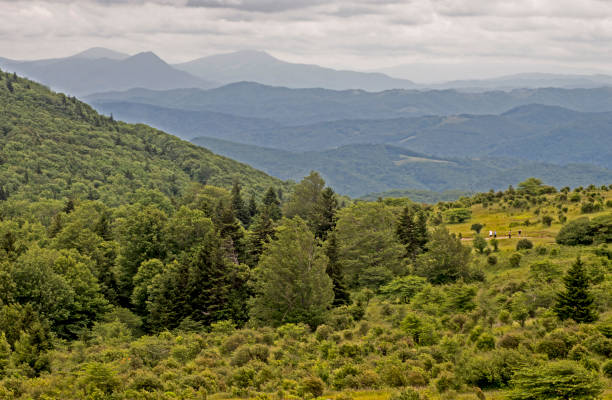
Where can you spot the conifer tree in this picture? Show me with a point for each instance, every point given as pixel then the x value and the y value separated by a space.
pixel 406 232
pixel 324 218
pixel 252 207
pixel 240 209
pixel 262 230
pixel 576 302
pixel 334 270
pixel 271 201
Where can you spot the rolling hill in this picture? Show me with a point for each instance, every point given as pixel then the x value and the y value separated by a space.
pixel 261 67
pixel 360 169
pixel 308 106
pixel 54 147
pixel 99 70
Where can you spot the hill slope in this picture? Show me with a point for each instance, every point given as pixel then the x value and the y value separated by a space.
pixel 359 169
pixel 98 70
pixel 54 146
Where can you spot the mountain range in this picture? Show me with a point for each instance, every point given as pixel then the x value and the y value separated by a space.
pixel 359 169
pixel 100 70
pixel 292 107
pixel 97 70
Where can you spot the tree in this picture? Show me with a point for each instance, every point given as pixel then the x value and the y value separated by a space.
pixel 324 213
pixel 305 197
pixel 241 212
pixel 262 230
pixel 406 232
pixel 271 201
pixel 576 301
pixel 202 287
pixel 291 284
pixel 555 380
pixel 367 241
pixel 446 259
pixel 477 227
pixel 479 243
pixel 334 270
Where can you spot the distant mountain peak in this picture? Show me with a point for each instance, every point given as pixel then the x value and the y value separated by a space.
pixel 101 52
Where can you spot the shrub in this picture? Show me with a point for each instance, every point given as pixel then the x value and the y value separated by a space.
pixel 509 341
pixel 515 260
pixel 485 342
pixel 323 332
pixel 312 385
pixel 575 232
pixel 555 380
pixel 490 370
pixel 541 250
pixel 606 368
pixel 609 204
pixel 479 243
pixel 547 220
pixel 589 207
pixel 407 394
pixel 524 244
pixel 457 215
pixel 552 347
pixel 491 260
pixel 477 228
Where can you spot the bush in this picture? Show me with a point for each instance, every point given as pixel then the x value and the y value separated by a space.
pixel 312 385
pixel 485 342
pixel 555 380
pixel 477 228
pixel 576 232
pixel 457 215
pixel 407 394
pixel 524 244
pixel 492 260
pixel 588 208
pixel 547 220
pixel 515 260
pixel 509 341
pixel 606 368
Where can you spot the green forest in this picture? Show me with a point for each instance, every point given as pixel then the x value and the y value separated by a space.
pixel 134 265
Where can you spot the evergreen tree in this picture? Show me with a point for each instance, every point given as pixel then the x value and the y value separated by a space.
pixel 230 231
pixel 252 208
pixel 271 201
pixel 262 230
pixel 407 232
pixel 334 270
pixel 324 218
pixel 240 209
pixel 576 302
pixel 422 236
pixel 3 194
pixel 69 206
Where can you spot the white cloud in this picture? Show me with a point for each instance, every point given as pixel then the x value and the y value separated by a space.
pixel 357 34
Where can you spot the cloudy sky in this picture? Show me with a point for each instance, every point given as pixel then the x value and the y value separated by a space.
pixel 427 38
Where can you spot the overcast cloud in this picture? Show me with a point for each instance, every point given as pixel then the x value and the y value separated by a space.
pixel 488 37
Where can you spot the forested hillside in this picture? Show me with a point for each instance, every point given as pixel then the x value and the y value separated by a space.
pixel 56 147
pixel 359 169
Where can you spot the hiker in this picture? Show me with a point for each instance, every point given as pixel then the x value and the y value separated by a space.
pixel 519 232
pixel 495 234
pixel 510 234
pixel 490 234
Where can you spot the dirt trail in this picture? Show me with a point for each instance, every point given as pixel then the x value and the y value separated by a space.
pixel 503 237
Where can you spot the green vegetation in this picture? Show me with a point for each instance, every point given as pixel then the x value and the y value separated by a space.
pixel 200 294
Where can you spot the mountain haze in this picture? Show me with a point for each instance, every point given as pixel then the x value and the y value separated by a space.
pixel 100 70
pixel 261 67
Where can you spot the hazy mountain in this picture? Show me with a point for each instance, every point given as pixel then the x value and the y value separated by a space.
pixel 308 106
pixel 97 70
pixel 359 169
pixel 258 66
pixel 532 132
pixel 188 124
pixel 530 80
pixel 101 52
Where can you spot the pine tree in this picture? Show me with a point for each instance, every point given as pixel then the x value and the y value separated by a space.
pixel 69 206
pixel 3 194
pixel 252 207
pixel 324 218
pixel 422 237
pixel 576 302
pixel 262 230
pixel 334 270
pixel 230 231
pixel 271 201
pixel 407 233
pixel 240 210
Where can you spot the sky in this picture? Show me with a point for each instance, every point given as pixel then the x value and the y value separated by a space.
pixel 423 40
